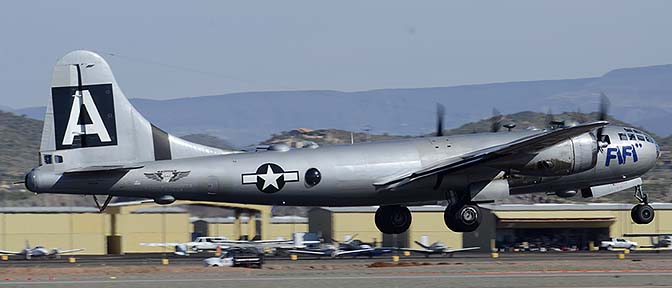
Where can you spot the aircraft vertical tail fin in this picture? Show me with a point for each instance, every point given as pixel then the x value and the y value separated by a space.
pixel 89 121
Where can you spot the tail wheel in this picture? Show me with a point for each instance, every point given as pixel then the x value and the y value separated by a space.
pixel 393 219
pixel 642 214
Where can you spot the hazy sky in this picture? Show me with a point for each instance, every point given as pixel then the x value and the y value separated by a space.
pixel 177 50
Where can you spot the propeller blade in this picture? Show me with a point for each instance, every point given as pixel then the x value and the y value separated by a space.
pixel 496 120
pixel 549 119
pixel 440 112
pixel 604 106
pixel 604 111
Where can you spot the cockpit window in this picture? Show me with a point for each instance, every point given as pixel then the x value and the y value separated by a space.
pixel 636 131
pixel 648 139
pixel 627 129
pixel 631 137
pixel 622 136
pixel 640 137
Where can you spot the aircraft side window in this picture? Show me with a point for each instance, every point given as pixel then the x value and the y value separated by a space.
pixel 640 137
pixel 632 136
pixel 58 158
pixel 313 177
pixel 47 159
pixel 622 136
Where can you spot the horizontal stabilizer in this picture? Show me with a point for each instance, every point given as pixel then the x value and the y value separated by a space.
pixel 108 168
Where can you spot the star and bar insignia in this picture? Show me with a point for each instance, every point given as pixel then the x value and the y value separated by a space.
pixel 270 178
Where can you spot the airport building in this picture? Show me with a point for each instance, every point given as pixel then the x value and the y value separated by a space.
pixel 123 226
pixel 507 227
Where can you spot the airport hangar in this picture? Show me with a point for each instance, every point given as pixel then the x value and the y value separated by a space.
pixel 123 226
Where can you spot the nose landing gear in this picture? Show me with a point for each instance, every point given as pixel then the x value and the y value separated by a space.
pixel 642 213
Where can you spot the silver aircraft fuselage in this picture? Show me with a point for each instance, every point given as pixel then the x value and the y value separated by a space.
pixel 346 173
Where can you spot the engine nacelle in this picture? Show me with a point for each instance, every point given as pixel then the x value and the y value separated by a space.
pixel 575 155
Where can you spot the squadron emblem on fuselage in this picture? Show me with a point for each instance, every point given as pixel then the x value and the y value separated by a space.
pixel 167 175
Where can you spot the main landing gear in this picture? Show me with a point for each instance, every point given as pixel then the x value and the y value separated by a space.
pixel 393 219
pixel 642 213
pixel 462 217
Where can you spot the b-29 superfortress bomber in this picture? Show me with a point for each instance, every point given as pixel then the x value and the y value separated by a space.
pixel 94 142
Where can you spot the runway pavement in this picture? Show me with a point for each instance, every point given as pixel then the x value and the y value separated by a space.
pixel 196 259
pixel 469 270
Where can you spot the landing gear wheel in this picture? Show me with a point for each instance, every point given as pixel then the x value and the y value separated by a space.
pixel 642 214
pixel 393 219
pixel 465 218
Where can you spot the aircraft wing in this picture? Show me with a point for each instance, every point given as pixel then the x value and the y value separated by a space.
pixel 425 251
pixel 254 242
pixel 9 252
pixel 646 234
pixel 309 252
pixel 528 144
pixel 160 244
pixel 348 252
pixel 70 251
pixel 448 251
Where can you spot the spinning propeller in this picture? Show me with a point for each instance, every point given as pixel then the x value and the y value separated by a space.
pixel 440 113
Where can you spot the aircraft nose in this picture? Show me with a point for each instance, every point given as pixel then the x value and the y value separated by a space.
pixel 32 179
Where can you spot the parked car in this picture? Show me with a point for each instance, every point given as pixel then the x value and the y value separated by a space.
pixel 241 257
pixel 618 243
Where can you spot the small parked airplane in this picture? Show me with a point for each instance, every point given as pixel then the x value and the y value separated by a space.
pixel 201 244
pixel 350 246
pixel 437 248
pixel 39 251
